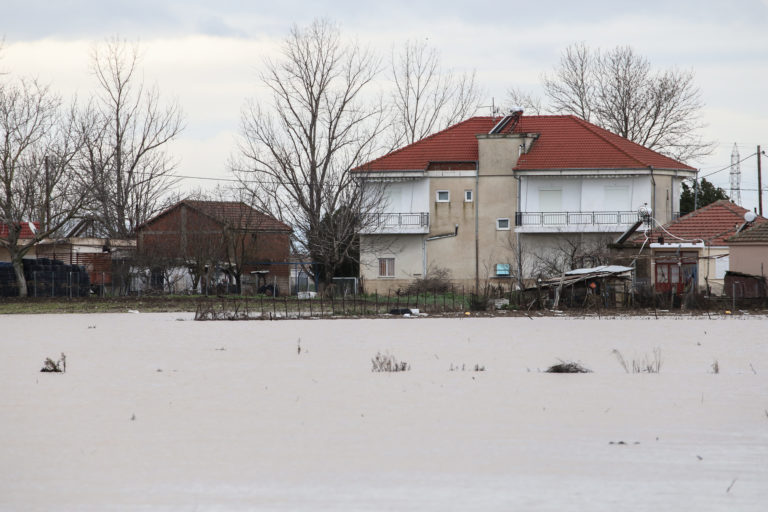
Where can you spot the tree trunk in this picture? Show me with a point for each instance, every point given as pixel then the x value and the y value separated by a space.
pixel 21 281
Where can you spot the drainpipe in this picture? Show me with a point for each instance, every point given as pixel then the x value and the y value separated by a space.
pixel 477 226
pixel 517 234
pixel 653 190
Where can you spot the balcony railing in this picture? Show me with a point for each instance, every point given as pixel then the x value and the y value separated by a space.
pixel 575 220
pixel 411 222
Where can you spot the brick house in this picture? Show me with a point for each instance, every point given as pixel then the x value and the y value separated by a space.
pixel 215 240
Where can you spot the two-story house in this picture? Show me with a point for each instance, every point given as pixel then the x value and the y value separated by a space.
pixel 490 199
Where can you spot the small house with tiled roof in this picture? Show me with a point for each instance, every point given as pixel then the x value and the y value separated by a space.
pixel 492 199
pixel 694 250
pixel 206 238
pixel 749 250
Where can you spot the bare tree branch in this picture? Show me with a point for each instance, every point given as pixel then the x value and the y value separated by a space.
pixel 39 146
pixel 426 97
pixel 619 91
pixel 127 166
pixel 297 153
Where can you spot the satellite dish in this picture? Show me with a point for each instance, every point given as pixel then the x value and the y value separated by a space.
pixel 32 227
pixel 750 216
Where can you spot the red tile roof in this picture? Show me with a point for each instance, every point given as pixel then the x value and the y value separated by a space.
pixel 564 142
pixel 756 234
pixel 230 213
pixel 713 223
pixel 26 232
pixel 238 214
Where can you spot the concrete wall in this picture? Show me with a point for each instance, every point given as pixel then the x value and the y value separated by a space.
pixel 749 259
pixel 408 255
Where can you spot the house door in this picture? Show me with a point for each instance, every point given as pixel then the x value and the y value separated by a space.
pixel 676 273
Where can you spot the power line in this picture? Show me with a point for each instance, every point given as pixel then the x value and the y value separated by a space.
pixel 723 169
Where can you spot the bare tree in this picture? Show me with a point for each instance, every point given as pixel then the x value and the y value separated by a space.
pixel 568 253
pixel 618 90
pixel 298 152
pixel 426 97
pixel 39 186
pixel 127 167
pixel 531 104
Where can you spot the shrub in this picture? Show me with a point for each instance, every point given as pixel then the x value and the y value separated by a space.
pixel 567 367
pixel 437 280
pixel 60 366
pixel 388 363
pixel 478 302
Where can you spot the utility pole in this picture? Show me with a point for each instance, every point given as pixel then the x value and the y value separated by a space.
pixel 759 182
pixel 695 194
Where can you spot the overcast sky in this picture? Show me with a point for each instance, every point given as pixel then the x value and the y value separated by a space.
pixel 207 55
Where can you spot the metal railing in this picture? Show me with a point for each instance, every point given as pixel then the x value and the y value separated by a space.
pixel 575 218
pixel 408 220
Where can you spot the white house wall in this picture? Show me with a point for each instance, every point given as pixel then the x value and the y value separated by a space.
pixel 406 196
pixel 586 194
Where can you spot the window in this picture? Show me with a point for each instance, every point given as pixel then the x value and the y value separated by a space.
pixel 502 269
pixel 502 224
pixel 443 196
pixel 467 196
pixel 386 267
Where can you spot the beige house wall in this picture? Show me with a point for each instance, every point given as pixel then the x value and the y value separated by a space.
pixel 6 256
pixel 664 203
pixel 408 255
pixel 749 259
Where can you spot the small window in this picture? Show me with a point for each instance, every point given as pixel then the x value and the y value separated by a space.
pixel 443 196
pixel 502 224
pixel 467 196
pixel 502 269
pixel 386 267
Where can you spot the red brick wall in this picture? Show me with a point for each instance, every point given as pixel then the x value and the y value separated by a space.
pixel 163 237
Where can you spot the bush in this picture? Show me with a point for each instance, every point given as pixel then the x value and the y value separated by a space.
pixel 478 302
pixel 388 363
pixel 60 366
pixel 567 367
pixel 437 280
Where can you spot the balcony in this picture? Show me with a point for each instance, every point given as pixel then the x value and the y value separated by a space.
pixel 574 222
pixel 395 223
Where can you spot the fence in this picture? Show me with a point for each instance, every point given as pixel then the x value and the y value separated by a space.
pixel 356 305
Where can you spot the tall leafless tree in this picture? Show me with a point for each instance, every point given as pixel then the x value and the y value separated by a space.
pixel 298 152
pixel 618 90
pixel 426 97
pixel 127 166
pixel 39 185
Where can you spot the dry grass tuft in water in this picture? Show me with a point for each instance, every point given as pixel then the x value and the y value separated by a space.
pixel 51 366
pixel 567 367
pixel 644 365
pixel 388 363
